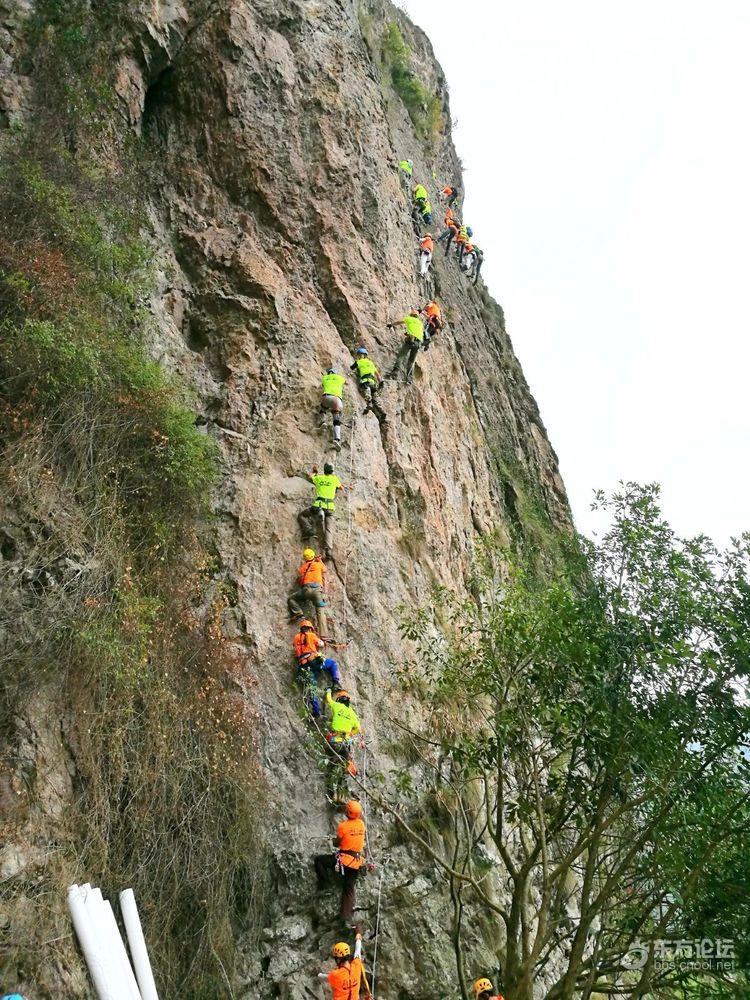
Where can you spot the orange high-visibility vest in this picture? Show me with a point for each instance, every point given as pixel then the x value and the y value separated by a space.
pixel 346 979
pixel 306 645
pixel 351 842
pixel 311 571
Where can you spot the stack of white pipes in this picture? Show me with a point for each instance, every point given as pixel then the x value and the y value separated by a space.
pixel 103 948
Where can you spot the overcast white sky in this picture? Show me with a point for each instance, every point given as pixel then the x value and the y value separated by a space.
pixel 607 156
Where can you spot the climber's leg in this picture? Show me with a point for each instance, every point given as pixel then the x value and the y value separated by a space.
pixel 315 671
pixel 366 390
pixel 324 408
pixel 412 359
pixel 377 409
pixel 337 431
pixel 316 596
pixel 402 353
pixel 335 675
pixel 340 762
pixel 309 521
pixel 293 603
pixel 325 868
pixel 328 531
pixel 348 892
pixel 450 234
pixel 424 262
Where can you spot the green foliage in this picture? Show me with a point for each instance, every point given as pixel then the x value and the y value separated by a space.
pixel 425 109
pixel 71 42
pixel 105 468
pixel 114 402
pixel 594 720
pixel 73 275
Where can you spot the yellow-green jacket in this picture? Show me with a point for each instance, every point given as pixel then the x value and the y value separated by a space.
pixel 333 385
pixel 344 719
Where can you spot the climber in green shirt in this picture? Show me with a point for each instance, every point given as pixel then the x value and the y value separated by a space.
pixel 320 515
pixel 332 402
pixel 420 195
pixel 410 349
pixel 407 169
pixel 342 729
pixel 370 382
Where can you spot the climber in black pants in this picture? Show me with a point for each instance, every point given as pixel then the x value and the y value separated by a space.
pixel 410 349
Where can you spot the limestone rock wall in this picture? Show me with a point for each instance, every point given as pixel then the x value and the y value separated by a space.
pixel 285 240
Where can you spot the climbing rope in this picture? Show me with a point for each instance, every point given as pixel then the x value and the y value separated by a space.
pixel 377 928
pixel 364 799
pixel 350 521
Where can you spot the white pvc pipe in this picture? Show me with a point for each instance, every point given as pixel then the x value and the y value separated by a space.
pixel 89 941
pixel 138 945
pixel 119 955
pixel 115 975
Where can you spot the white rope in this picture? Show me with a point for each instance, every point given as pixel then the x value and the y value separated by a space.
pixel 364 803
pixel 377 930
pixel 350 519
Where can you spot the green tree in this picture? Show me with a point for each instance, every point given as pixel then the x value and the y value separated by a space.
pixel 587 754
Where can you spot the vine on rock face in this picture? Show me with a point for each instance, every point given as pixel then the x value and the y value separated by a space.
pixel 113 621
pixel 425 109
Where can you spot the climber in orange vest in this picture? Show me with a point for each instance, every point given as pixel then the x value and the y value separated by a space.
pixel 433 321
pixel 467 259
pixel 349 977
pixel 451 193
pixel 308 644
pixel 484 990
pixel 311 583
pixel 347 859
pixel 450 231
pixel 426 246
pixel 311 661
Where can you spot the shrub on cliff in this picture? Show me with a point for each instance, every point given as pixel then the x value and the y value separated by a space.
pixel 588 743
pixel 111 601
pixel 425 109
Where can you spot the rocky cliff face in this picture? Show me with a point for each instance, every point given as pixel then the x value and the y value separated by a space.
pixel 284 240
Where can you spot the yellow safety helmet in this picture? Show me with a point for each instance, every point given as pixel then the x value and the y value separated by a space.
pixel 341 950
pixel 482 986
pixel 308 554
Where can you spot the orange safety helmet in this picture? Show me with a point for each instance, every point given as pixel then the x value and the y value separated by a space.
pixel 482 986
pixel 341 950
pixel 353 809
pixel 305 623
pixel 340 695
